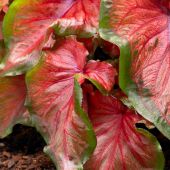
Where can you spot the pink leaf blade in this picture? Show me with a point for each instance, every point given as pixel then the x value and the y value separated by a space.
pixel 119 144
pixel 26 32
pixel 81 19
pixel 141 29
pixel 53 102
pixel 29 31
pixel 101 74
pixel 12 99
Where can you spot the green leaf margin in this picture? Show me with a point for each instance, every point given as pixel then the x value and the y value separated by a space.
pixel 160 162
pixel 125 81
pixel 7 29
pixel 91 137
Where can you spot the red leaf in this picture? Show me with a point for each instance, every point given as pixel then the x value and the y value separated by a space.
pixel 90 44
pixel 119 144
pixel 100 72
pixel 143 30
pixel 26 32
pixel 81 19
pixel 51 91
pixel 111 49
pixel 165 3
pixel 12 98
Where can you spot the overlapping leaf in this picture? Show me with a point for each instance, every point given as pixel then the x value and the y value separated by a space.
pixel 28 24
pixel 52 92
pixel 111 49
pixel 12 98
pixel 81 19
pixel 100 74
pixel 119 144
pixel 141 29
pixel 90 44
pixel 25 29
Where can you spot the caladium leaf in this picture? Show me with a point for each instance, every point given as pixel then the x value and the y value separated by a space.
pixel 111 49
pixel 81 19
pixel 52 93
pixel 141 29
pixel 90 44
pixel 119 144
pixel 100 74
pixel 28 24
pixel 12 98
pixel 26 27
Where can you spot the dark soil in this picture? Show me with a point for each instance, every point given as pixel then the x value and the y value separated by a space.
pixel 23 150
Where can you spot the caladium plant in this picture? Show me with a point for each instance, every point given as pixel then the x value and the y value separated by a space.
pixel 51 78
pixel 52 99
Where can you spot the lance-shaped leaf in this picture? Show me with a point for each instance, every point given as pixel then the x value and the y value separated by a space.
pixel 28 24
pixel 81 19
pixel 141 29
pixel 12 98
pixel 119 144
pixel 52 92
